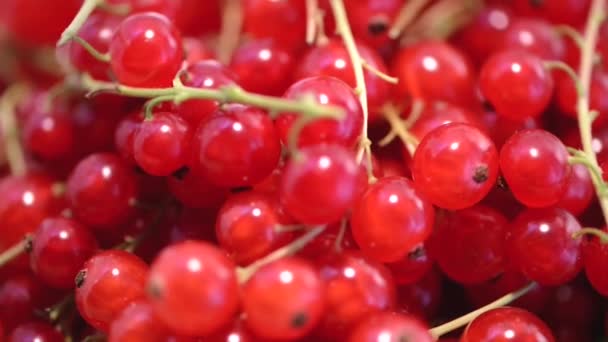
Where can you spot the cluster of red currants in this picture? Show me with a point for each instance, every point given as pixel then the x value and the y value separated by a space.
pixel 154 191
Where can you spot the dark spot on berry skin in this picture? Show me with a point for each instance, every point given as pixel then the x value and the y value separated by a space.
pixel 29 244
pixel 536 3
pixel 299 320
pixel 240 189
pixel 481 174
pixel 404 338
pixel 417 253
pixel 502 183
pixel 181 173
pixel 154 290
pixel 80 278
pixel 377 26
pixel 139 170
pixel 495 279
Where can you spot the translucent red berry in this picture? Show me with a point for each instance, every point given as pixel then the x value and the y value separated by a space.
pixel 391 219
pixel 455 166
pixel 138 322
pixel 535 165
pixel 35 331
pixel 287 27
pixel 146 51
pixel 193 288
pixel 507 324
pixel 319 184
pixel 397 327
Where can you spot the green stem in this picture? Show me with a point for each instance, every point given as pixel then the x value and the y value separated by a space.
pixel 306 104
pixel 16 250
pixel 10 131
pixel 245 273
pixel 88 6
pixel 600 234
pixel 596 15
pixel 559 65
pixel 464 320
pixel 572 33
pixel 98 55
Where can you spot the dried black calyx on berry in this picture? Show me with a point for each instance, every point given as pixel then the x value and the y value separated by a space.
pixel 377 25
pixel 536 3
pixel 181 173
pixel 80 278
pixel 481 174
pixel 299 320
pixel 417 253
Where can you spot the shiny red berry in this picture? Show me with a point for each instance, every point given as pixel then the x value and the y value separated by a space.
pixel 283 21
pixel 396 327
pixel 455 166
pixel 319 184
pixel 146 51
pixel 138 322
pixel 36 332
pixel 193 288
pixel 391 219
pixel 507 324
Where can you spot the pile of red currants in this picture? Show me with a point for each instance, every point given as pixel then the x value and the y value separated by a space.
pixel 303 170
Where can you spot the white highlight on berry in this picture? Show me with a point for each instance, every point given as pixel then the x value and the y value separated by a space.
pixel 430 63
pixel 194 265
pixel 349 272
pixel 27 198
pixel 286 277
pixel 516 68
pixel 106 172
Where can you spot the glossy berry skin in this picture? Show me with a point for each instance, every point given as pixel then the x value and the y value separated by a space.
pixel 441 113
pixel 595 254
pixel 535 36
pixel 36 332
pixel 468 244
pixel 397 327
pixel 101 190
pixel 138 322
pixel 248 134
pixel 246 226
pixel 161 145
pixel 540 244
pixel 535 166
pixel 97 30
pixel 61 246
pixel 107 284
pixel 20 295
pixel 26 201
pixel 391 219
pixel 579 191
pixel 569 12
pixel 455 166
pixel 434 71
pixel 328 91
pixel 262 67
pixel 207 74
pixel 355 287
pixel 370 21
pixel 517 84
pixel 566 96
pixel 50 134
pixel 287 27
pixel 507 324
pixel 146 51
pixel 319 184
pixel 124 135
pixel 283 300
pixel 193 288
pixel 332 59
pixel 194 191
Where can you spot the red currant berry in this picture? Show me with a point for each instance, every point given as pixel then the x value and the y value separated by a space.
pixel 441 113
pixel 125 133
pixel 517 84
pixel 283 300
pixel 250 136
pixel 138 322
pixel 371 19
pixel 36 332
pixel 332 59
pixel 61 246
pixel 535 36
pixel 434 71
pixel 319 184
pixel 193 288
pixel 535 165
pixel 595 254
pixel 540 244
pixel 423 298
pixel 208 74
pixel 195 50
pixel 97 30
pixel 391 219
pixel 327 91
pixel 283 21
pixel 50 134
pixel 146 51
pixel 354 287
pixel 567 96
pixel 397 327
pixel 455 166
pixel 107 284
pixel 247 226
pixel 262 67
pixel 20 295
pixel 468 244
pixel 101 190
pixel 507 324
pixel 568 12
pixel 161 145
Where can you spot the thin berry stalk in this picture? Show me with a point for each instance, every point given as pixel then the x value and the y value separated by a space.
pixel 13 149
pixel 16 250
pixel 88 6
